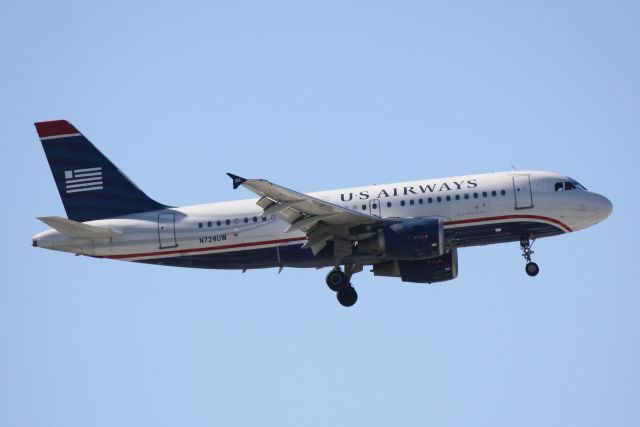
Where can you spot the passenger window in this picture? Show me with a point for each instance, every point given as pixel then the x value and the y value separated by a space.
pixel 466 196
pixel 475 195
pixel 402 203
pixel 237 220
pixel 448 198
pixel 255 219
pixel 228 222
pixel 494 193
pixel 484 194
pixel 503 192
pixel 388 204
pixel 246 220
pixel 457 197
pixel 439 199
pixel 420 201
pixel 264 219
pixel 209 224
pixel 429 200
pixel 559 186
pixel 199 225
pixel 374 206
pixel 411 202
pixel 218 223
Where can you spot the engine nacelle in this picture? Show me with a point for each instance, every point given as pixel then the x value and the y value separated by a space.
pixel 413 239
pixel 431 270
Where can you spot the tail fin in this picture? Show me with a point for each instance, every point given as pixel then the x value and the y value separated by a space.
pixel 90 186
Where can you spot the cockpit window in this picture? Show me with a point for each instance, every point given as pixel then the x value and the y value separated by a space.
pixel 568 185
pixel 579 186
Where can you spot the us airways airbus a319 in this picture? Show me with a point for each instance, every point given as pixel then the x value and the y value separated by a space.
pixel 409 230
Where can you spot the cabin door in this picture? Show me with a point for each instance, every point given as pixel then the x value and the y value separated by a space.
pixel 374 207
pixel 167 230
pixel 522 191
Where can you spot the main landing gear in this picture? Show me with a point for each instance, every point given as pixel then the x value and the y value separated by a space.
pixel 339 282
pixel 531 267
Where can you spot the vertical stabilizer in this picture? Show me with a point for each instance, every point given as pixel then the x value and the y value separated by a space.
pixel 90 186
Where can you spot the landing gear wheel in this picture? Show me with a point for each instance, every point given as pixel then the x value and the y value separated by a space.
pixel 347 296
pixel 532 269
pixel 337 280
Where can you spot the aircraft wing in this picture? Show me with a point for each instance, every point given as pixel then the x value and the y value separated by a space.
pixel 320 220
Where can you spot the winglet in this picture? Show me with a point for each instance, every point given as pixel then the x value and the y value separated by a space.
pixel 237 180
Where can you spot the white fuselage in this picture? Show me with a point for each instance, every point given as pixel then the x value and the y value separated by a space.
pixel 476 209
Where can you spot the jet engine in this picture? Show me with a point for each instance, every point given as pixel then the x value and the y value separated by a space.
pixel 413 239
pixel 431 270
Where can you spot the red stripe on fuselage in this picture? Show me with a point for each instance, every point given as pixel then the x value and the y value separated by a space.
pixel 499 218
pixel 300 239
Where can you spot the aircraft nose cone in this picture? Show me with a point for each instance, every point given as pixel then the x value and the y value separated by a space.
pixel 604 207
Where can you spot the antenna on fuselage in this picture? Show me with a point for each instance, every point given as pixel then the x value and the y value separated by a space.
pixel 513 167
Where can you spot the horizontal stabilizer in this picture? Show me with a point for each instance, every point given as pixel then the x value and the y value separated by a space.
pixel 77 230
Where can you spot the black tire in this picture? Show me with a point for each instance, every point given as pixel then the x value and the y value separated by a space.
pixel 347 297
pixel 337 280
pixel 532 269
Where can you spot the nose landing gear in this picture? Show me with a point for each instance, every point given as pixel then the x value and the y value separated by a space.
pixel 531 267
pixel 339 282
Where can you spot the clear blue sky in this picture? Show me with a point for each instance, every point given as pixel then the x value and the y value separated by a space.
pixel 316 96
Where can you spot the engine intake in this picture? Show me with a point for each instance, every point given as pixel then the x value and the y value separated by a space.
pixel 432 270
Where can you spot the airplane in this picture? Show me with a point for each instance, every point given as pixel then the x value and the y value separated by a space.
pixel 409 230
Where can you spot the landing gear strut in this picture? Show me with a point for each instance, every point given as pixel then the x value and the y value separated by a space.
pixel 531 267
pixel 339 282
